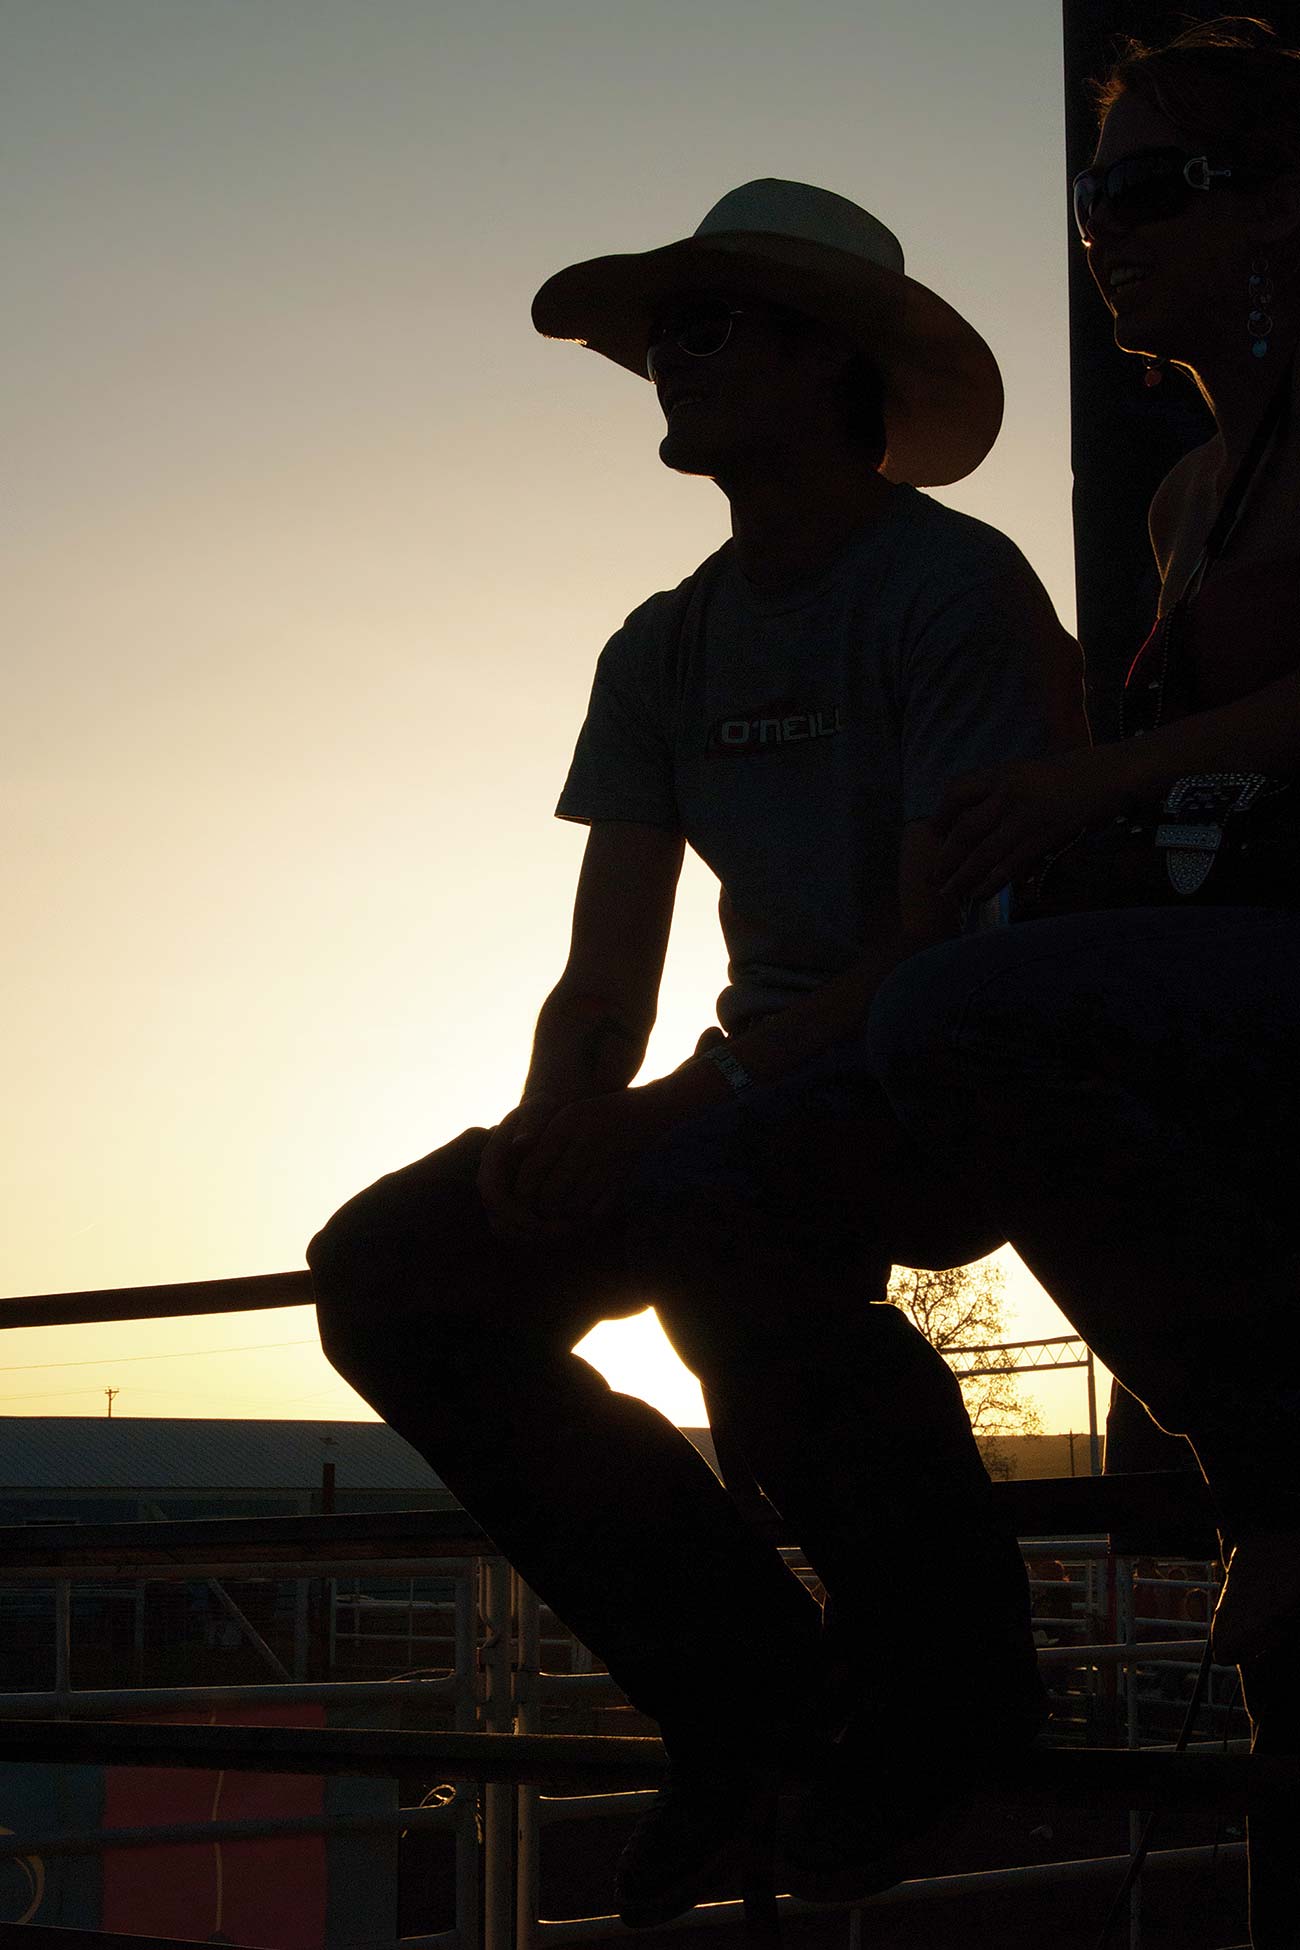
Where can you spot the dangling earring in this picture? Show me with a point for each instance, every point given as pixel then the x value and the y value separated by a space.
pixel 1259 296
pixel 1155 372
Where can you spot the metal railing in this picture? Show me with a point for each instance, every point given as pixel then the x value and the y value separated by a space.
pixel 497 1688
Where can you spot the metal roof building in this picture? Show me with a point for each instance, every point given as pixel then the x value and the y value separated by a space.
pixel 120 1468
pixel 116 1467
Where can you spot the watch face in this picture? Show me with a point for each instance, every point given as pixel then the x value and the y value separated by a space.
pixel 731 1067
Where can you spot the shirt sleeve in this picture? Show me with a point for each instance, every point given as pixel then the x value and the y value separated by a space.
pixel 990 676
pixel 622 765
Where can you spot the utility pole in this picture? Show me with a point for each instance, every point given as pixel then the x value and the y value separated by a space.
pixel 110 1392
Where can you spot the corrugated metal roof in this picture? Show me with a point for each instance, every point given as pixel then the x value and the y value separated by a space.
pixel 145 1452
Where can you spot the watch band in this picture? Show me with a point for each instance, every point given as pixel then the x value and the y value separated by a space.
pixel 730 1066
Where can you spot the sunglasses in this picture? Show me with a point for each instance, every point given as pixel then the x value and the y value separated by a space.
pixel 1144 188
pixel 700 331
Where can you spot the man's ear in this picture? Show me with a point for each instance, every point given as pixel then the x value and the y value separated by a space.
pixel 835 352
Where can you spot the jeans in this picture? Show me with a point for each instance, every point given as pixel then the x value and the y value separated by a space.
pixel 1119 1089
pixel 763 1233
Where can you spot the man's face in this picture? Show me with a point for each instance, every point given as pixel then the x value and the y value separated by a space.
pixel 739 384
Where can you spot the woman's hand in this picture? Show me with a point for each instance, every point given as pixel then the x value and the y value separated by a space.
pixel 997 823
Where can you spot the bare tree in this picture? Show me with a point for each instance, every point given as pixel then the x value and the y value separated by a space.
pixel 965 1306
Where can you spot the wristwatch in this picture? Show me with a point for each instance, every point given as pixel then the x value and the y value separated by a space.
pixel 731 1067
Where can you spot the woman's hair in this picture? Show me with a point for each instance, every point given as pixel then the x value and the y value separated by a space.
pixel 1227 83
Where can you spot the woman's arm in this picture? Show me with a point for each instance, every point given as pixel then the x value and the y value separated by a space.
pixel 998 823
pixel 1182 514
pixel 1256 733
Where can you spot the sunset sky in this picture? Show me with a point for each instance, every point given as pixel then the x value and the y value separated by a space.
pixel 311 545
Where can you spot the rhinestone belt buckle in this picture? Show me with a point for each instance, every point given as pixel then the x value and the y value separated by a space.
pixel 1199 805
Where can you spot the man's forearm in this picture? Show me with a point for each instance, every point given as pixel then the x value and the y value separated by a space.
pixel 796 1034
pixel 583 1046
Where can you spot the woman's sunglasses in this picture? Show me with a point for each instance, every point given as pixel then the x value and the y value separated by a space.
pixel 1144 188
pixel 700 330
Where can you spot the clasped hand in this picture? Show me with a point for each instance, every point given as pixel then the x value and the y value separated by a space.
pixel 995 824
pixel 550 1166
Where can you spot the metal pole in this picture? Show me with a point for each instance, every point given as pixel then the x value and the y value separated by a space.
pixel 301 1610
pixel 232 1611
pixel 1094 1442
pixel 468 1860
pixel 63 1643
pixel 498 1796
pixel 137 1637
pixel 332 1635
pixel 247 1627
pixel 527 1720
pixel 1126 1629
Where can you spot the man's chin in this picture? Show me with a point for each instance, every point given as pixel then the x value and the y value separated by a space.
pixel 685 458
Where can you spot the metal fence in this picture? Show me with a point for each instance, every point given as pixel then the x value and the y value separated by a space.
pixel 506 1779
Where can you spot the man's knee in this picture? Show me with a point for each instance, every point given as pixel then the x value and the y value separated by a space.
pixel 342 1262
pixel 404 1245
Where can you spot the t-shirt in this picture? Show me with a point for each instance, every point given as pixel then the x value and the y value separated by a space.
pixel 790 737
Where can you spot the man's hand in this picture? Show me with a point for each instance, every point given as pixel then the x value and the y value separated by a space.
pixel 997 823
pixel 574 1169
pixel 506 1148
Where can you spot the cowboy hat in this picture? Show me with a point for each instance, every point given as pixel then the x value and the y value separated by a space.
pixel 818 254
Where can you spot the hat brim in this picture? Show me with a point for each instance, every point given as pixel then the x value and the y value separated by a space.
pixel 943 391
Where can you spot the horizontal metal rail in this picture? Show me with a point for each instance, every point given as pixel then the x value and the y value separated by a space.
pixel 105 1703
pixel 259 1829
pixel 234 1570
pixel 556 1687
pixel 581 1807
pixel 552 1759
pixel 256 1543
pixel 1181 1652
pixel 172 1302
pixel 907 1895
pixel 1054 1514
pixel 57 1936
pixel 1122 1777
pixel 1059 1351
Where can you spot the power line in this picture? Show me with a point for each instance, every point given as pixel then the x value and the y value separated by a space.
pixel 262 1401
pixel 180 1354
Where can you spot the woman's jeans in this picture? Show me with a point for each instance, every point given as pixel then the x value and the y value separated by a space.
pixel 763 1233
pixel 1120 1091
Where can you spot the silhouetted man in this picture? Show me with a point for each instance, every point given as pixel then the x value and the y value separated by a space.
pixel 793 711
